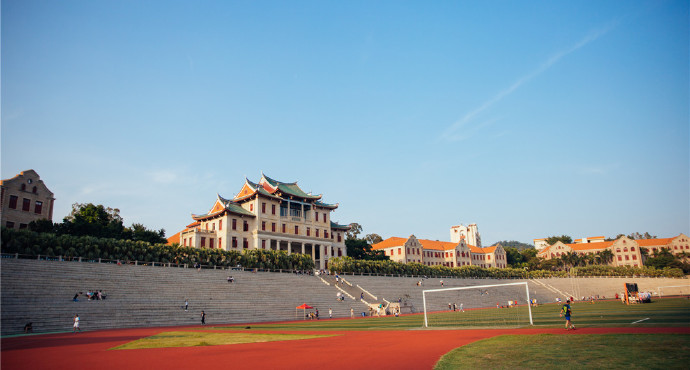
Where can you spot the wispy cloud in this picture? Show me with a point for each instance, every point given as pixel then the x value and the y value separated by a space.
pixel 466 126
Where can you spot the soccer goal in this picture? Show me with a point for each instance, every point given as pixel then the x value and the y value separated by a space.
pixel 496 305
pixel 673 290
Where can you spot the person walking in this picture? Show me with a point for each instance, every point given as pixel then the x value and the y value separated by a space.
pixel 567 311
pixel 203 318
pixel 330 313
pixel 186 305
pixel 352 313
pixel 75 326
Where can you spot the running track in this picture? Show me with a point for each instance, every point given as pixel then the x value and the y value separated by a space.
pixel 409 349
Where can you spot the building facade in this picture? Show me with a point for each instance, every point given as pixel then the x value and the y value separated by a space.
pixel 469 233
pixel 269 215
pixel 438 253
pixel 25 198
pixel 626 251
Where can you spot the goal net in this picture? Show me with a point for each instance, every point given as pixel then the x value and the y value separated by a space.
pixel 673 290
pixel 497 305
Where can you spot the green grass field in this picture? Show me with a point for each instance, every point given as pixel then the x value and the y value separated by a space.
pixel 542 351
pixel 661 312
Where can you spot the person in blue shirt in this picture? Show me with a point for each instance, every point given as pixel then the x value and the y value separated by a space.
pixel 567 311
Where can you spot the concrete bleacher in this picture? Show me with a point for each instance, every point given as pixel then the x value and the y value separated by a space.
pixel 41 292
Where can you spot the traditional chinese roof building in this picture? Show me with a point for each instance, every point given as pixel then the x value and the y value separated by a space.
pixel 269 214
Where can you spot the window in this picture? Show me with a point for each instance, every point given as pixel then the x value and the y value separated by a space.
pixel 210 243
pixel 284 229
pixel 10 225
pixel 220 227
pixel 339 238
pixel 245 243
pixel 317 233
pixel 620 258
pixel 325 234
pixel 407 250
pixel 340 252
pixel 234 242
pixel 308 231
pixel 324 217
pixel 220 243
pixel 263 225
pixel 26 205
pixel 316 216
pixel 296 229
pixel 246 226
pixel 263 207
pixel 399 251
pixel 13 201
pixel 263 244
pixel 234 224
pixel 632 249
pixel 22 226
pixel 203 241
pixel 213 226
pixel 273 209
pixel 23 187
pixel 627 257
pixel 634 257
pixel 273 226
pixel 38 207
pixel 251 207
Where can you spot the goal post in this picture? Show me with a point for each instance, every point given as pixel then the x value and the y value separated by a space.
pixel 478 305
pixel 673 290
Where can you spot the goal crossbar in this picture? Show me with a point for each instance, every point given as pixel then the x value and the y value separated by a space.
pixel 424 292
pixel 671 286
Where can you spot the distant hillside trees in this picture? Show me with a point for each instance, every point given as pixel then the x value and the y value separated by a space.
pixel 514 244
pixel 565 239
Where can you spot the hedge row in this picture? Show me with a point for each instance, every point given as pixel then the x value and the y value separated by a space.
pixel 349 265
pixel 31 243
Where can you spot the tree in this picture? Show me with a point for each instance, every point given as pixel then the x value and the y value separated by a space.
pixel 513 257
pixel 140 232
pixel 565 239
pixel 372 239
pixel 355 230
pixel 42 226
pixel 94 220
pixel 359 249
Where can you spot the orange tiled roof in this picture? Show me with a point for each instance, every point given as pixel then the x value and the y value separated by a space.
pixel 390 242
pixel 437 245
pixel 590 246
pixel 174 239
pixel 653 242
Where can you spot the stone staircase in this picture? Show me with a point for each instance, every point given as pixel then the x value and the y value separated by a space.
pixel 41 292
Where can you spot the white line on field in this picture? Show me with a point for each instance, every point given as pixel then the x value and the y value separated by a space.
pixel 639 321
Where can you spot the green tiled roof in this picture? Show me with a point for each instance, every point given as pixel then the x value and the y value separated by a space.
pixel 325 205
pixel 290 188
pixel 338 226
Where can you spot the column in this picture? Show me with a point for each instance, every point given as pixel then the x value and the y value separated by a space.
pixel 303 248
pixel 289 248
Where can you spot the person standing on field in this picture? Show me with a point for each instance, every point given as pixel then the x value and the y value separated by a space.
pixel 566 311
pixel 203 318
pixel 75 326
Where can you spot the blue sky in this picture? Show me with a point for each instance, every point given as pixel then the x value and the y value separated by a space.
pixel 529 118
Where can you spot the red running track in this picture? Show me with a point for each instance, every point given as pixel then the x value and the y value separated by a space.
pixel 409 349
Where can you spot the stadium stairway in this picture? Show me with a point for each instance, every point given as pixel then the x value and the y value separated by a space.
pixel 41 292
